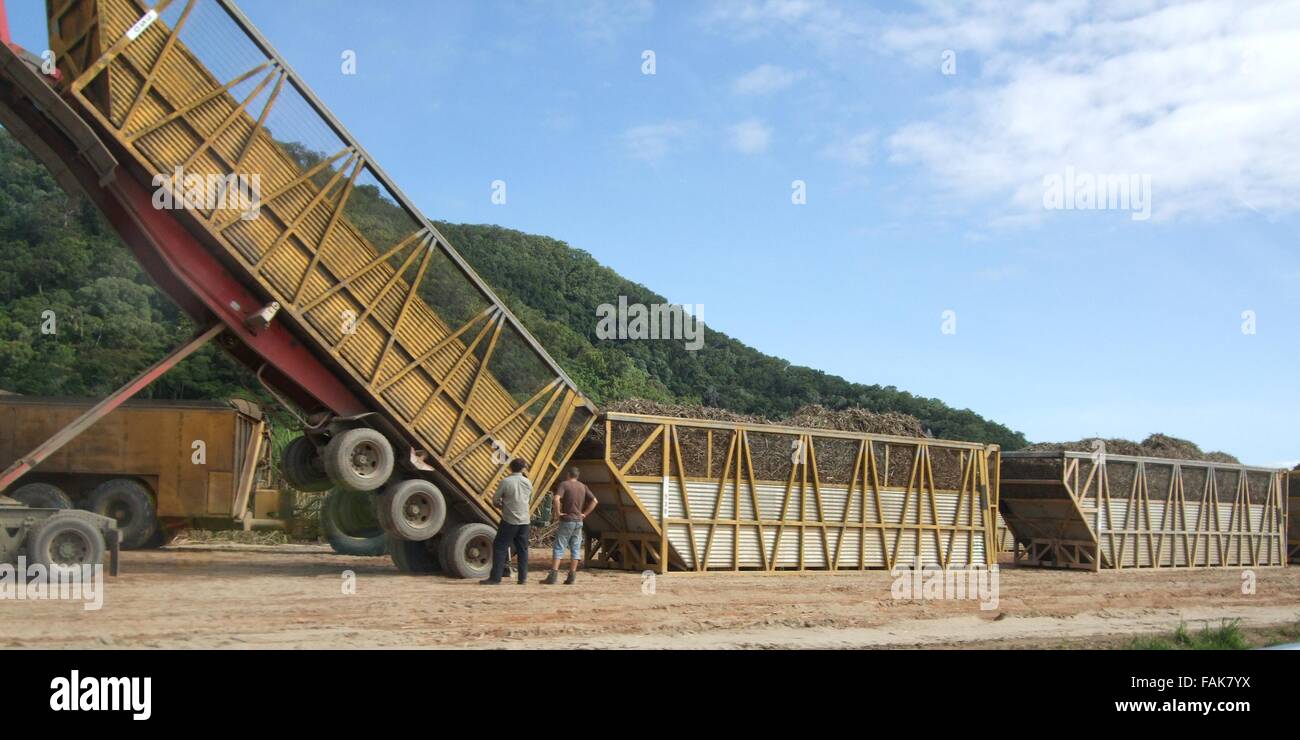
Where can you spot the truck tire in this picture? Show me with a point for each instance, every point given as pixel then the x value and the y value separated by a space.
pixel 42 496
pixel 302 467
pixel 359 459
pixel 467 550
pixel 161 538
pixel 65 540
pixel 345 530
pixel 412 509
pixel 128 503
pixel 416 558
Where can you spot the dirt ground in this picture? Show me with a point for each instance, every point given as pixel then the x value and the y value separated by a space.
pixel 204 596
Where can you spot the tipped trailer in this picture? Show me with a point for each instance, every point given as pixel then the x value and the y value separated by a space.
pixel 697 495
pixel 256 211
pixel 1089 510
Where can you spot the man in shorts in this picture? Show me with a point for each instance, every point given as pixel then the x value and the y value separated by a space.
pixel 573 503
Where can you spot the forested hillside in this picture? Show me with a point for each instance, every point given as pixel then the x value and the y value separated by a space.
pixel 111 322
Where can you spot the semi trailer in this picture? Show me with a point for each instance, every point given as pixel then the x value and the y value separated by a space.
pixel 1094 510
pixel 154 467
pixel 703 495
pixel 411 377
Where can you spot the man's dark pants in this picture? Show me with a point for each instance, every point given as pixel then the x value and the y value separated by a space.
pixel 510 535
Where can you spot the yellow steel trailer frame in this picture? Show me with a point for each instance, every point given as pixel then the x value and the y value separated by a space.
pixel 1293 517
pixel 696 495
pixel 1093 510
pixel 1006 540
pixel 194 94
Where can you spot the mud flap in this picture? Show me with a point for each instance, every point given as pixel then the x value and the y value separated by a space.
pixel 113 539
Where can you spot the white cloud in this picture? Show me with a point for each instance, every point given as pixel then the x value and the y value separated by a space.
pixel 982 26
pixel 1200 96
pixel 765 79
pixel 652 142
pixel 751 137
pixel 857 150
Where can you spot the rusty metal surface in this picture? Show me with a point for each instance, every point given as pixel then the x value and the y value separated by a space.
pixel 152 442
pixel 357 270
pixel 22 462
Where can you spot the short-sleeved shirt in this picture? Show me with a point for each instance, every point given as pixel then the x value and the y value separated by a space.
pixel 574 497
pixel 512 497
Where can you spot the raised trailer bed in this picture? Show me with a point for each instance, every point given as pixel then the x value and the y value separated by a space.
pixel 413 378
pixel 1091 511
pixel 693 495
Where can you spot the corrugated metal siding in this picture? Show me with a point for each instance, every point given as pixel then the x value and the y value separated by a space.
pixel 1005 538
pixel 1149 512
pixel 800 523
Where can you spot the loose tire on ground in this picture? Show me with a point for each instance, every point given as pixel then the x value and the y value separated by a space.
pixel 42 496
pixel 417 558
pixel 131 505
pixel 346 527
pixel 65 540
pixel 467 550
pixel 302 466
pixel 359 459
pixel 412 509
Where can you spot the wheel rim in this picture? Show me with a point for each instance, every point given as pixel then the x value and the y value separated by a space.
pixel 69 548
pixel 478 551
pixel 120 511
pixel 365 459
pixel 418 510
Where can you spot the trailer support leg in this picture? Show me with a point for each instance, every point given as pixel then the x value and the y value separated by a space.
pixel 105 407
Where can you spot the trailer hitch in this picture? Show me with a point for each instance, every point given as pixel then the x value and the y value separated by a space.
pixel 262 319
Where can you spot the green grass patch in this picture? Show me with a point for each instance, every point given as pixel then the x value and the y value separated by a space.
pixel 1229 635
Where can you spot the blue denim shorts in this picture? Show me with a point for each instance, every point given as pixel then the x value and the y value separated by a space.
pixel 568 536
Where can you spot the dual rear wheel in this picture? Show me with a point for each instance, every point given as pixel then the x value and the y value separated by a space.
pixel 463 550
pixel 359 459
pixel 412 513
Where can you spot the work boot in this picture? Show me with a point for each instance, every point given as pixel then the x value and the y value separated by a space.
pixel 490 582
pixel 572 579
pixel 551 578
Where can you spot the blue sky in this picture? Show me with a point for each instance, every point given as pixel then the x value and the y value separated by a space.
pixel 924 189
